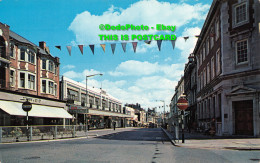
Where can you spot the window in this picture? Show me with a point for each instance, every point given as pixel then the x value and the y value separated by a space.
pixel 208 73
pixel 204 52
pixel 201 57
pixel 241 50
pixel 31 81
pixel 212 35
pixel 217 29
pixel 44 64
pixel 12 50
pixel 201 83
pixel 218 62
pixel 44 86
pixel 51 66
pixel 22 54
pixel 207 46
pixel 241 13
pixel 12 78
pixel 51 87
pixel 31 57
pixel 22 80
pixel 55 90
pixel 212 67
pixel 204 77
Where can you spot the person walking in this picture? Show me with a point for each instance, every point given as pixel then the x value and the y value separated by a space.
pixel 114 125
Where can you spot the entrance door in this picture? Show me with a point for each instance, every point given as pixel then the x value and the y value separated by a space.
pixel 243 117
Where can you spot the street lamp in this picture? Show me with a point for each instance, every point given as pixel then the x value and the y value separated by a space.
pixel 87 87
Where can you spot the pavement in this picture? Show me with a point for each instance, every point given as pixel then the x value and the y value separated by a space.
pixel 201 141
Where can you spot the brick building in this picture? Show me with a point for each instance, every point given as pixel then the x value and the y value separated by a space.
pixel 28 71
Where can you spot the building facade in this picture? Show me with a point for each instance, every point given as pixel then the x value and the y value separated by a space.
pixel 28 72
pixel 228 70
pixel 95 107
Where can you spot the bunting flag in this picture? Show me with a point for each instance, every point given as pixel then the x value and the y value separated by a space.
pixel 113 46
pixel 159 43
pixel 148 42
pixel 123 45
pixel 58 47
pixel 69 49
pixel 134 46
pixel 186 38
pixel 173 43
pixel 81 48
pixel 103 47
pixel 92 47
pixel 197 36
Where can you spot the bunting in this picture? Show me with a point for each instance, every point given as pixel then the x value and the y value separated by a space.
pixel 103 47
pixel 69 49
pixel 81 48
pixel 113 46
pixel 186 38
pixel 124 46
pixel 173 43
pixel 92 47
pixel 148 42
pixel 58 47
pixel 134 46
pixel 159 43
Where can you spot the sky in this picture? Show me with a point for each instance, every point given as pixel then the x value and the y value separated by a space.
pixel 144 77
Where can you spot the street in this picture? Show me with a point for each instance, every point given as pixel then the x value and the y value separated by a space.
pixel 122 145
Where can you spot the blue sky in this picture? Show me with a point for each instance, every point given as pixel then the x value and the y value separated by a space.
pixel 141 77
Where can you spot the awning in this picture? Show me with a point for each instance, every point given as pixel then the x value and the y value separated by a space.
pixel 107 113
pixel 15 108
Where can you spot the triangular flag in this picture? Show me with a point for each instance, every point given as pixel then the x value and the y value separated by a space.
pixel 69 49
pixel 92 48
pixel 159 43
pixel 186 38
pixel 113 46
pixel 58 47
pixel 148 42
pixel 81 48
pixel 198 36
pixel 123 45
pixel 173 43
pixel 103 47
pixel 134 46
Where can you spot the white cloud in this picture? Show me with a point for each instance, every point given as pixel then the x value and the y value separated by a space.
pixel 80 75
pixel 68 67
pixel 138 68
pixel 147 12
pixel 187 46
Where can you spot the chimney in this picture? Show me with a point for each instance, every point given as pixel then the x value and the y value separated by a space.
pixel 42 45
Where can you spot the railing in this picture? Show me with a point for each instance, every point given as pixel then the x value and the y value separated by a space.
pixel 21 133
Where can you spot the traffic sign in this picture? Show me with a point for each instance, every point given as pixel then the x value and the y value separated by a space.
pixel 182 103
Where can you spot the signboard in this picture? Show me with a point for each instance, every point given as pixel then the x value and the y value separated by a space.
pixel 182 103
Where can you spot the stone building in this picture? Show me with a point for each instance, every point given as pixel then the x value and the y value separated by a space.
pixel 99 109
pixel 28 71
pixel 228 69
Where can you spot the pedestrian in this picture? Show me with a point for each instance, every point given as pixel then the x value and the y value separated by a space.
pixel 114 124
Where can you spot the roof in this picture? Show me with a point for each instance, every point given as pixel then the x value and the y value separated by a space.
pixel 23 40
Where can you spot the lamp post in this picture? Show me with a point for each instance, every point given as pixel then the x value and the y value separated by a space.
pixel 87 87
